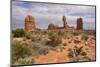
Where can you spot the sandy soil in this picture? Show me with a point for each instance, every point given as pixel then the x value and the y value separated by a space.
pixel 62 55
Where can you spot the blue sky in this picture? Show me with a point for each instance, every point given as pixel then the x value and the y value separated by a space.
pixel 46 13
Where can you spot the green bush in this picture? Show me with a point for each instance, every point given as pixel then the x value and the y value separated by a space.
pixel 20 50
pixel 36 37
pixel 50 32
pixel 76 33
pixel 28 35
pixel 84 36
pixel 26 60
pixel 18 33
pixel 61 33
pixel 36 46
pixel 54 41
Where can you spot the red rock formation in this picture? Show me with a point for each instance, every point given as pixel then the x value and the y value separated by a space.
pixel 79 24
pixel 64 22
pixel 29 23
pixel 52 26
pixel 65 26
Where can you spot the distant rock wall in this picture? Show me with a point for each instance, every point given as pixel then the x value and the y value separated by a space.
pixel 66 26
pixel 30 24
pixel 52 26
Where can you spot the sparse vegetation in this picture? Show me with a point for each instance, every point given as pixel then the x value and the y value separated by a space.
pixel 76 33
pixel 20 51
pixel 41 42
pixel 18 33
pixel 64 44
pixel 36 37
pixel 26 60
pixel 43 51
pixel 28 35
pixel 54 41
pixel 84 36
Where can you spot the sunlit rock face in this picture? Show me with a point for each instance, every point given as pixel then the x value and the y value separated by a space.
pixel 79 24
pixel 29 23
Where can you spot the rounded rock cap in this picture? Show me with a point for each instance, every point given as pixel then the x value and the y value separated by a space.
pixel 29 18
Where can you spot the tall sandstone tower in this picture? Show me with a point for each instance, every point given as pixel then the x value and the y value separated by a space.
pixel 79 24
pixel 64 22
pixel 29 23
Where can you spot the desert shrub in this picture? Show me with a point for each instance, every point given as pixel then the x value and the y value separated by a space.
pixel 64 34
pixel 61 33
pixel 18 33
pixel 20 50
pixel 76 54
pixel 50 32
pixel 43 51
pixel 54 49
pixel 40 31
pixel 35 46
pixel 86 58
pixel 44 32
pixel 39 49
pixel 26 60
pixel 28 35
pixel 70 54
pixel 77 51
pixel 37 31
pixel 36 37
pixel 83 53
pixel 68 35
pixel 54 41
pixel 77 41
pixel 75 33
pixel 84 36
pixel 64 44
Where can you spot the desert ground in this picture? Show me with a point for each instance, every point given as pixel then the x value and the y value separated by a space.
pixel 53 46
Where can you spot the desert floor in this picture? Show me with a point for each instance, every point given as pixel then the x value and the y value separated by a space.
pixel 42 47
pixel 61 54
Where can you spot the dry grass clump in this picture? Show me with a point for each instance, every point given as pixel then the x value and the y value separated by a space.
pixel 84 36
pixel 43 51
pixel 26 61
pixel 54 40
pixel 76 54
